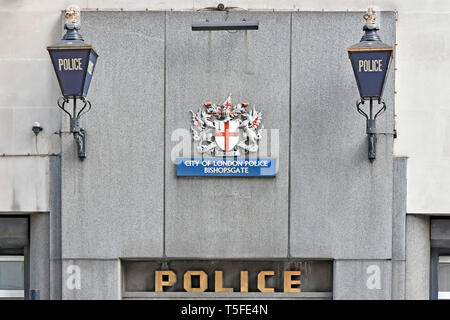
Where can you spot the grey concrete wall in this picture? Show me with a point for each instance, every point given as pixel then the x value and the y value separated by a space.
pixel 56 279
pixel 225 217
pixel 327 201
pixel 341 204
pixel 55 228
pixel 39 254
pixel 98 279
pixel 369 280
pixel 24 184
pixel 362 280
pixel 112 203
pixel 29 90
pixel 399 228
pixel 417 280
pixel 398 280
pixel 399 209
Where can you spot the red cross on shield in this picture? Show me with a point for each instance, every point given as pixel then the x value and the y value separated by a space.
pixel 227 134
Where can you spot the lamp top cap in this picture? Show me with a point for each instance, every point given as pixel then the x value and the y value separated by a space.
pixel 370 39
pixel 72 13
pixel 370 28
pixel 370 16
pixel 72 25
pixel 72 39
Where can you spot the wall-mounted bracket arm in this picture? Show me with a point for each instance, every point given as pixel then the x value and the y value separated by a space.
pixel 79 133
pixel 371 129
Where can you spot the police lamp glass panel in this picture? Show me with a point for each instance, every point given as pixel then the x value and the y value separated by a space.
pixel 72 58
pixel 370 60
pixel 73 66
pixel 12 280
pixel 370 68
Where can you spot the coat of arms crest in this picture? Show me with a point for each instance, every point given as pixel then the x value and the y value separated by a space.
pixel 224 130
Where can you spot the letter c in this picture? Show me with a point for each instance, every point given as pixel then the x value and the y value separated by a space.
pixel 262 281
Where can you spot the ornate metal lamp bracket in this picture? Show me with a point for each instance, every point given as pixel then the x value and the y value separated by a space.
pixel 79 133
pixel 371 125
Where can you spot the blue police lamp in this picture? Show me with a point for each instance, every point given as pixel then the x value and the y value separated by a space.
pixel 74 63
pixel 370 59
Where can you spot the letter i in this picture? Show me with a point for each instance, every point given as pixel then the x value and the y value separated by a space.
pixel 244 281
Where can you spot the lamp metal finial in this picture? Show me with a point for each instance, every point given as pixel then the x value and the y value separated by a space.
pixel 370 16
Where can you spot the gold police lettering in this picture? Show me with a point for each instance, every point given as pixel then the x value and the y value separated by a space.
pixel 168 278
pixel 71 64
pixel 370 65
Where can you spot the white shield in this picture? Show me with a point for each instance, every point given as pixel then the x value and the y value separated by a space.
pixel 227 134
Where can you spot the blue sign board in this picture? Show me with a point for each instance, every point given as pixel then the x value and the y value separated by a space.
pixel 218 167
pixel 370 69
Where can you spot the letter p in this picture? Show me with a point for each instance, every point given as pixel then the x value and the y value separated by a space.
pixel 361 64
pixel 160 283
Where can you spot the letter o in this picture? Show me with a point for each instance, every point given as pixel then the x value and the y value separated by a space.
pixel 366 65
pixel 188 281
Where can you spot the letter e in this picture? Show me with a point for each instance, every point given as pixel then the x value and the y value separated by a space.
pixel 288 282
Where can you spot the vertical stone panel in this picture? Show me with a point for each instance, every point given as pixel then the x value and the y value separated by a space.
pixel 40 254
pixel 91 279
pixel 362 280
pixel 341 203
pixel 417 283
pixel 217 216
pixel 112 202
pixel 399 209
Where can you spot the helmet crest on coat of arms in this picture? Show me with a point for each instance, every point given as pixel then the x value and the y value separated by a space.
pixel 224 130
